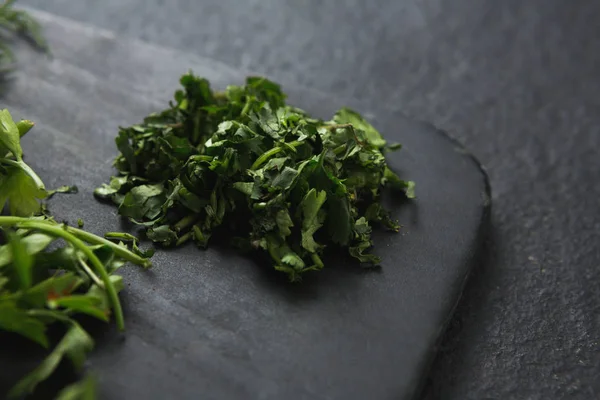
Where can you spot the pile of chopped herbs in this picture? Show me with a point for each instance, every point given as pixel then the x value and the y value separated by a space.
pixel 266 173
pixel 17 23
pixel 51 273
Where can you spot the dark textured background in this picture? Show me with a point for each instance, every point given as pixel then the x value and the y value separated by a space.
pixel 518 83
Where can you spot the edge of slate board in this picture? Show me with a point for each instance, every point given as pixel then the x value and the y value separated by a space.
pixel 71 59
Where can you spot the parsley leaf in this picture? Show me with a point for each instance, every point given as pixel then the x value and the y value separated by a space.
pixel 15 319
pixel 20 190
pixel 10 139
pixel 74 345
pixel 20 186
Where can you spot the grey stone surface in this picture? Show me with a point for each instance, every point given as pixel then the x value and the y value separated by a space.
pixel 517 82
pixel 214 324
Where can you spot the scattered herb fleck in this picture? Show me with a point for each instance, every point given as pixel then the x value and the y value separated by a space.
pixel 244 161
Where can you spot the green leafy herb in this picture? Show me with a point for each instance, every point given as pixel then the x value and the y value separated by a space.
pixel 82 390
pixel 20 186
pixel 19 23
pixel 244 162
pixel 39 287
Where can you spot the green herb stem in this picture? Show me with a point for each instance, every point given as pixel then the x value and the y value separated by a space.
pixel 337 126
pixel 118 250
pixel 340 149
pixel 317 260
pixel 186 222
pixel 91 273
pixel 267 155
pixel 203 158
pixel 184 238
pixel 127 237
pixel 246 107
pixel 50 315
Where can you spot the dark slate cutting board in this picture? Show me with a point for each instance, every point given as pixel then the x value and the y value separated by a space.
pixel 213 324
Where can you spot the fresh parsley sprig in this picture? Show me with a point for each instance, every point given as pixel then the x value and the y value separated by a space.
pixel 40 287
pixel 49 272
